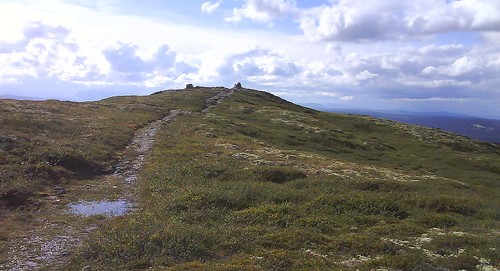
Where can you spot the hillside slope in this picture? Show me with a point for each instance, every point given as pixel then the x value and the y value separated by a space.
pixel 46 143
pixel 477 128
pixel 55 153
pixel 258 183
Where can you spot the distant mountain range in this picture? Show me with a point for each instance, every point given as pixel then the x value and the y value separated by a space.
pixel 16 97
pixel 478 128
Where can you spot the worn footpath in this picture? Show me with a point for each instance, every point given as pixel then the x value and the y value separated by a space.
pixel 70 214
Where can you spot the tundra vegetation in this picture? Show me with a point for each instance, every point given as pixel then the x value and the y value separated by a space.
pixel 258 183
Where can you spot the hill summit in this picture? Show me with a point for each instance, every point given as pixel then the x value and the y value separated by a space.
pixel 243 180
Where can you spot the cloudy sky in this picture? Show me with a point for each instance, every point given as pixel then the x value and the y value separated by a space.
pixel 425 55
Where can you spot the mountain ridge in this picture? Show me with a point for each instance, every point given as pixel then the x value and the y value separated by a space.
pixel 479 128
pixel 256 183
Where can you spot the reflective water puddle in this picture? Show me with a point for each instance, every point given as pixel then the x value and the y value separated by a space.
pixel 108 208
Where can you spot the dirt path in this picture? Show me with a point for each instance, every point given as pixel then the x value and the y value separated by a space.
pixel 217 99
pixel 54 233
pixel 135 153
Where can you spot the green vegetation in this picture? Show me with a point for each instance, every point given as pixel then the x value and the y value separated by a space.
pixel 258 183
pixel 52 142
pixel 48 148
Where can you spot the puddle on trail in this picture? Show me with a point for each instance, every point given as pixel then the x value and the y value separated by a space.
pixel 107 208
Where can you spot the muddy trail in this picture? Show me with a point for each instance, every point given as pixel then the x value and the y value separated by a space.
pixel 69 215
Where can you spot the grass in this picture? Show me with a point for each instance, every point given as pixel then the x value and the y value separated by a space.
pixel 51 142
pixel 45 145
pixel 261 184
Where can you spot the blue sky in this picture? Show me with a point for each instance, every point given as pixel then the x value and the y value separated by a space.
pixel 426 55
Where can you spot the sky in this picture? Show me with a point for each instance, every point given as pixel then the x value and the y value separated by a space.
pixel 425 55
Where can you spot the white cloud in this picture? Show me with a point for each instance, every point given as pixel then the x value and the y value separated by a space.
pixel 262 10
pixel 433 99
pixel 327 94
pixel 429 70
pixel 463 66
pixel 491 37
pixel 333 49
pixel 447 49
pixel 46 51
pixel 474 65
pixel 393 19
pixel 209 7
pixel 366 75
pixel 160 67
pixel 438 83
pixel 466 15
pixel 39 30
pixel 259 66
pixel 9 81
pixel 54 42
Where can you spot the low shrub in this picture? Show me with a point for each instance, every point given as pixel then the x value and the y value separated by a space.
pixel 449 204
pixel 363 244
pixel 278 174
pixel 277 260
pixel 359 203
pixel 437 220
pixel 382 186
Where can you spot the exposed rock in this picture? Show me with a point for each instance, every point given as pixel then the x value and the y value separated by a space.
pixel 237 85
pixel 217 99
pixel 227 146
pixel 59 191
pixel 6 143
pixel 427 267
pixel 189 86
pixel 245 156
pixel 208 134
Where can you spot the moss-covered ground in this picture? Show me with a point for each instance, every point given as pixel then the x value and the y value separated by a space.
pixel 258 183
pixel 52 153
